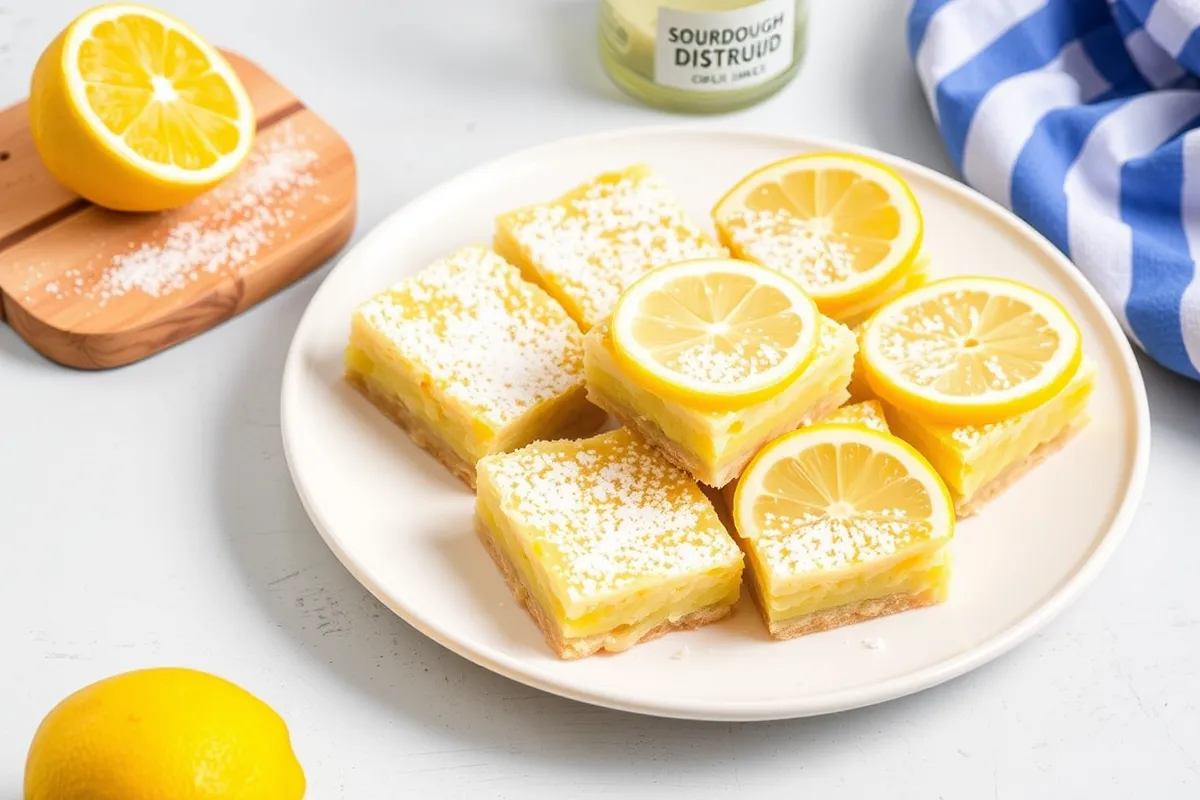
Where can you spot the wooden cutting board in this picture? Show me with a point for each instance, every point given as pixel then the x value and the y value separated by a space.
pixel 92 288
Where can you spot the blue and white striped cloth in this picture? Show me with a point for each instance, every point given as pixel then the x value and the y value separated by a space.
pixel 1083 117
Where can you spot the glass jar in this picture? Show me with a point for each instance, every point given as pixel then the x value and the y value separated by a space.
pixel 702 55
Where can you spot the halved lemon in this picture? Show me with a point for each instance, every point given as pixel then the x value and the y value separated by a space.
pixel 132 110
pixel 845 226
pixel 970 350
pixel 715 333
pixel 858 492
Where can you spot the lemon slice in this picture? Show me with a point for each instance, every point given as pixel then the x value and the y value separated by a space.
pixel 131 109
pixel 852 493
pixel 715 333
pixel 842 225
pixel 970 350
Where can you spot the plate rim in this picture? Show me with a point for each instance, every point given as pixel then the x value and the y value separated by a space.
pixel 1053 604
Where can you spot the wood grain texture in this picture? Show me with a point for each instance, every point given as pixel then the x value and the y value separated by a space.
pixel 94 289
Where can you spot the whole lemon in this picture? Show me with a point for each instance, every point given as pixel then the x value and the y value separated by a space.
pixel 162 734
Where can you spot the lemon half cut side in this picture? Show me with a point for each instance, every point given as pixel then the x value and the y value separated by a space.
pixel 131 109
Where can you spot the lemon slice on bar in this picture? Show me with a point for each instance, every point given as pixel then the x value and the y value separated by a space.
pixel 131 109
pixel 970 350
pixel 715 333
pixel 845 226
pixel 855 490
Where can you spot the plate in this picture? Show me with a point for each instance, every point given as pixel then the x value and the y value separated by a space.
pixel 402 525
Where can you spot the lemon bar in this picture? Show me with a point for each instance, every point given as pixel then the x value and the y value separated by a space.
pixel 816 579
pixel 868 413
pixel 588 245
pixel 470 359
pixel 978 462
pixel 714 446
pixel 843 534
pixel 604 542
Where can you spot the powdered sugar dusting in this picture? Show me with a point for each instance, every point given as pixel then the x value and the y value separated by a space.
pixel 716 361
pixel 868 413
pixel 609 513
pixel 789 244
pixel 483 335
pixel 814 542
pixel 248 212
pixel 971 435
pixel 592 243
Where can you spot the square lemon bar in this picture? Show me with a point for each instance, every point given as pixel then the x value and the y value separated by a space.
pixel 978 462
pixel 806 582
pixel 714 446
pixel 587 246
pixel 820 577
pixel 604 542
pixel 470 359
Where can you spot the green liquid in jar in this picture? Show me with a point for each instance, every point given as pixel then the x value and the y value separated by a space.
pixel 702 55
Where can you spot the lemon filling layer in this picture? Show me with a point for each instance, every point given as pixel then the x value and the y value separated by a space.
pixel 607 536
pixel 470 438
pixel 969 457
pixel 458 432
pixel 717 438
pixel 625 620
pixel 786 596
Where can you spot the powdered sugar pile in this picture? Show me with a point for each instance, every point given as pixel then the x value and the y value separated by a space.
pixel 241 217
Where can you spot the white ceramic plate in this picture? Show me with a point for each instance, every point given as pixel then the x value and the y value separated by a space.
pixel 402 525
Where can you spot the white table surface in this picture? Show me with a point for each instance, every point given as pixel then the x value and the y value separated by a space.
pixel 148 518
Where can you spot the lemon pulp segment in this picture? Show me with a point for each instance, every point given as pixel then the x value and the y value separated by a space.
pixel 154 87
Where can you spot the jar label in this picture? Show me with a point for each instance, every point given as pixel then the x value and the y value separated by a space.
pixel 722 51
